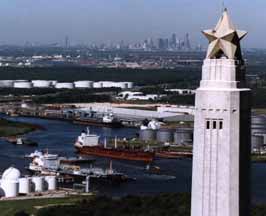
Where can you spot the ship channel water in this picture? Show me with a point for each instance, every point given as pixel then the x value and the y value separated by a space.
pixel 59 136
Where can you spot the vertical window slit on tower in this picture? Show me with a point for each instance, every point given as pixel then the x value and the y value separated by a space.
pixel 214 124
pixel 220 125
pixel 208 124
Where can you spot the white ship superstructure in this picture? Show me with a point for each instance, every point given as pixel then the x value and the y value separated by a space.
pixel 87 139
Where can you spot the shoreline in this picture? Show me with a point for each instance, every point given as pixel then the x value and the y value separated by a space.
pixel 261 159
pixel 11 128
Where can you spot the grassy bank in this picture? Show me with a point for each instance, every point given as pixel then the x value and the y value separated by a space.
pixel 164 204
pixel 168 204
pixel 10 128
pixel 31 207
pixel 258 158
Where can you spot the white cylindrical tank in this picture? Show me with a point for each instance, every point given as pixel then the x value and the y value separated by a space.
pixel 22 84
pixel 2 192
pixel 6 83
pixel 108 84
pixel 129 85
pixel 10 188
pixel 38 183
pixel 257 142
pixel 41 83
pixel 83 84
pixel 97 85
pixel 51 182
pixel 65 85
pixel 147 135
pixel 164 136
pixel 122 85
pixel 10 182
pixel 183 136
pixel 24 185
pixel 53 82
pixel 258 120
pixel 11 173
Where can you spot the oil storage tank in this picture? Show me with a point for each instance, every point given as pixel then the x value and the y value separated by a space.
pixel 164 136
pixel 10 182
pixel 258 131
pixel 257 142
pixel 122 85
pixel 183 136
pixel 64 85
pixel 51 182
pixel 53 82
pixel 257 120
pixel 97 85
pixel 83 84
pixel 129 85
pixel 24 185
pixel 147 135
pixel 6 83
pixel 258 124
pixel 108 84
pixel 41 83
pixel 23 84
pixel 38 183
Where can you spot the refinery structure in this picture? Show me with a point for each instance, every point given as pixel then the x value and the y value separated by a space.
pixel 104 133
pixel 13 184
pixel 83 84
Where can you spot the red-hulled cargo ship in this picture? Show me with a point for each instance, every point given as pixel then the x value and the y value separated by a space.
pixel 89 144
pixel 120 154
pixel 173 155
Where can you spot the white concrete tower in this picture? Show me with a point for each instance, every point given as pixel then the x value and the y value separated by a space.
pixel 220 184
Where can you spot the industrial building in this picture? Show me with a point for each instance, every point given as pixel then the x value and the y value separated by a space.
pixel 129 95
pixel 182 91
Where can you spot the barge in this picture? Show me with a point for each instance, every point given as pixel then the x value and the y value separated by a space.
pixel 94 119
pixel 51 164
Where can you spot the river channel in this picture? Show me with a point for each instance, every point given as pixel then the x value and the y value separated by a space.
pixel 60 136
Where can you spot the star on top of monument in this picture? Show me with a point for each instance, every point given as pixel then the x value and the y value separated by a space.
pixel 224 39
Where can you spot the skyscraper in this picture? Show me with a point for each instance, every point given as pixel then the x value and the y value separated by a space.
pixel 173 41
pixel 187 42
pixel 166 43
pixel 67 43
pixel 220 184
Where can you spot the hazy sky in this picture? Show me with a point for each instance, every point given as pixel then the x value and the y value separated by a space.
pixel 86 21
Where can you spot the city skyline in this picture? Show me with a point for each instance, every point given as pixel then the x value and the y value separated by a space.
pixel 112 21
pixel 169 43
pixel 171 40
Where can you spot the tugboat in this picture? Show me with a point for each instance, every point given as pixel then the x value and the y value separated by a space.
pixel 21 141
pixel 88 144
